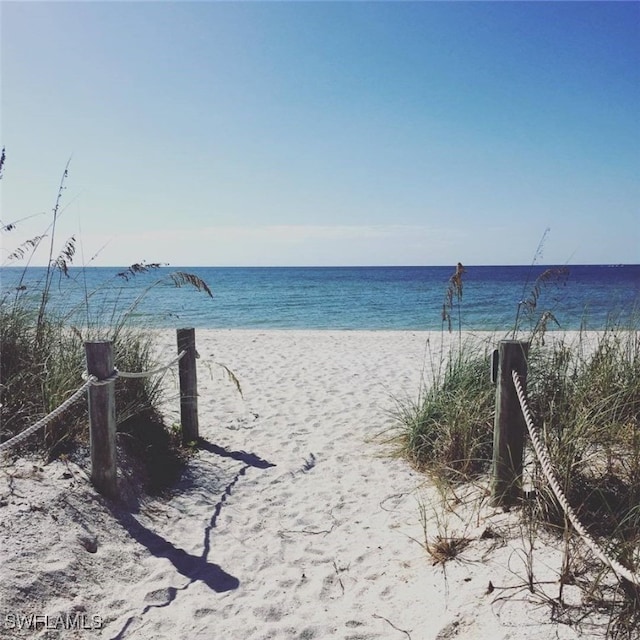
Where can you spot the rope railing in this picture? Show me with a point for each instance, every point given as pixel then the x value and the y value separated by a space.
pixel 547 468
pixel 90 381
pixel 23 435
pixel 153 372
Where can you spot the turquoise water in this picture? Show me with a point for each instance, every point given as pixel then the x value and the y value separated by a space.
pixel 336 297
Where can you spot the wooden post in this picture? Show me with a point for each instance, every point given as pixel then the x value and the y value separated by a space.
pixel 102 419
pixel 188 385
pixel 509 426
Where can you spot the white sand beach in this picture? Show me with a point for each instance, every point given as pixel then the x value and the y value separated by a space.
pixel 293 522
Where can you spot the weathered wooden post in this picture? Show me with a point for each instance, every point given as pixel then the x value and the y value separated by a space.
pixel 509 426
pixel 102 418
pixel 188 385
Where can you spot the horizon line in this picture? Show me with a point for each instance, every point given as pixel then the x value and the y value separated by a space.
pixel 164 265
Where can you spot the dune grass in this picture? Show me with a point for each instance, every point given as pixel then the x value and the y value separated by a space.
pixel 42 361
pixel 449 430
pixel 585 399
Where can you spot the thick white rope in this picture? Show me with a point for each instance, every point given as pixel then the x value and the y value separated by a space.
pixel 90 381
pixel 547 468
pixel 101 383
pixel 138 374
pixel 148 374
pixel 12 442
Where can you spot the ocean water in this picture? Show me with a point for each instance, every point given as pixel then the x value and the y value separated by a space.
pixel 395 298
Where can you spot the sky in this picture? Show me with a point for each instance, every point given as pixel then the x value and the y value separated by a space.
pixel 322 133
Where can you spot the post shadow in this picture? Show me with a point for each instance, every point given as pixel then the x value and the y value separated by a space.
pixel 195 568
pixel 250 459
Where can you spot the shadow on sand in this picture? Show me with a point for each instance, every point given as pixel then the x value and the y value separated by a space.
pixel 195 568
pixel 250 459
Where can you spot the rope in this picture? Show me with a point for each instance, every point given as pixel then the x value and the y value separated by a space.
pixel 101 383
pixel 547 468
pixel 148 374
pixel 90 381
pixel 12 442
pixel 138 374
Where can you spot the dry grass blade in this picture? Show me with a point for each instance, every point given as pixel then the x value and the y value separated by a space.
pixel 24 248
pixel 181 279
pixel 232 376
pixel 12 225
pixel 454 291
pixel 65 258
pixel 51 263
pixel 375 615
pixel 137 268
pixel 553 275
pixel 443 549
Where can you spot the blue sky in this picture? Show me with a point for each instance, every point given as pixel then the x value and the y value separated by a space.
pixel 357 133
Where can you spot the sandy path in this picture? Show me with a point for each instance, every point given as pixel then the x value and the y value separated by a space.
pixel 290 523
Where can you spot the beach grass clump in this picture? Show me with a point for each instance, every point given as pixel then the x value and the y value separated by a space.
pixel 586 399
pixel 40 366
pixel 39 374
pixel 449 430
pixel 42 360
pixel 584 395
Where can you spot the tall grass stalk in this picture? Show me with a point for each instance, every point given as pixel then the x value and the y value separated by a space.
pixel 58 264
pixel 42 358
pixel 453 298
